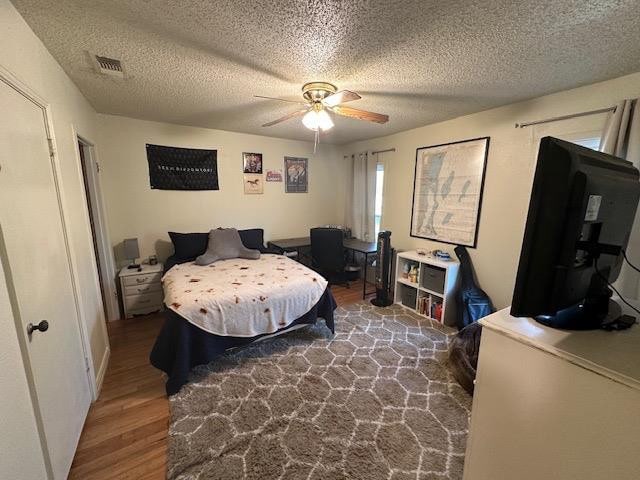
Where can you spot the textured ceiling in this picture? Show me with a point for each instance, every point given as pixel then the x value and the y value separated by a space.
pixel 198 62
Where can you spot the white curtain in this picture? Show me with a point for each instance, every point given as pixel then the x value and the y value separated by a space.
pixel 362 196
pixel 621 138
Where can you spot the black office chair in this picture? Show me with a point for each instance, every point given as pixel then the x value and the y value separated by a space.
pixel 328 254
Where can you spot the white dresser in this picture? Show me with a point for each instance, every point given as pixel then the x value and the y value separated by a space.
pixel 554 405
pixel 141 290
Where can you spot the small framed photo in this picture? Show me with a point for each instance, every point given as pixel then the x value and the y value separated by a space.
pixel 253 183
pixel 297 174
pixel 274 175
pixel 252 162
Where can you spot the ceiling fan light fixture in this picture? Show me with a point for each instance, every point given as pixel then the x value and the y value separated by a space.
pixel 321 99
pixel 317 119
pixel 324 120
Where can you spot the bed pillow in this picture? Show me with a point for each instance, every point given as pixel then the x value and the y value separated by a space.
pixel 225 243
pixel 187 246
pixel 252 238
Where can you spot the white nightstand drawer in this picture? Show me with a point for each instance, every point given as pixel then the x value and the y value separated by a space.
pixel 141 279
pixel 147 300
pixel 144 311
pixel 143 288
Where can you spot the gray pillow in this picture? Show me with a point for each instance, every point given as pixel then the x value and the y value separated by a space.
pixel 225 243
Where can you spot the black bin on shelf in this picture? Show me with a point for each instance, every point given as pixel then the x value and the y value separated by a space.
pixel 433 278
pixel 408 296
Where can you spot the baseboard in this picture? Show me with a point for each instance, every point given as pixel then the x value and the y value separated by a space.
pixel 102 370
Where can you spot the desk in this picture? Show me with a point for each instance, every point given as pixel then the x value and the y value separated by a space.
pixel 353 244
pixel 366 248
pixel 288 244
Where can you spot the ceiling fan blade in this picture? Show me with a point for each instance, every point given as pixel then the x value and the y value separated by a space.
pixel 361 114
pixel 287 117
pixel 281 100
pixel 342 96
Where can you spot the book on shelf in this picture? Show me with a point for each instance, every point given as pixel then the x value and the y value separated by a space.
pixel 425 306
pixel 436 310
pixel 430 307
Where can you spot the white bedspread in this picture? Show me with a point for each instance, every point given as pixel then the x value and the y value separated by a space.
pixel 243 298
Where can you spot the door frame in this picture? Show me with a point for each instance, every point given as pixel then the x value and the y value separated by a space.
pixel 105 252
pixel 14 82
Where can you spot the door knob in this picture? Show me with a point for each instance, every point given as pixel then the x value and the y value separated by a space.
pixel 43 326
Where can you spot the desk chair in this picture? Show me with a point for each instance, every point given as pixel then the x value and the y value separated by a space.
pixel 328 254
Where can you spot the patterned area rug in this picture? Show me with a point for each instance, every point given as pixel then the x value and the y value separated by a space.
pixel 372 402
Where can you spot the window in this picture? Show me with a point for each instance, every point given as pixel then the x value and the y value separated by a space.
pixel 379 190
pixel 585 138
pixel 585 131
pixel 591 142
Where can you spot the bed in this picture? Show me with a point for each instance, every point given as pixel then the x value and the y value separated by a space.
pixel 231 303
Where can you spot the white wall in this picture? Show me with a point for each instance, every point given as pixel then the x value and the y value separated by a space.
pixel 135 210
pixel 509 174
pixel 22 54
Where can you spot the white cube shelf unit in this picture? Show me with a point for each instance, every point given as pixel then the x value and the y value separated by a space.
pixel 432 296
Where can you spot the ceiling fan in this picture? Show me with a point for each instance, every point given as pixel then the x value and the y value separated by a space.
pixel 323 97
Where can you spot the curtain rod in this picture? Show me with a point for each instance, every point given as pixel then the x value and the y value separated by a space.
pixel 379 151
pixel 384 151
pixel 566 117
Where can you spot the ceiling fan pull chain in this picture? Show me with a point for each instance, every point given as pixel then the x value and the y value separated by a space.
pixel 317 140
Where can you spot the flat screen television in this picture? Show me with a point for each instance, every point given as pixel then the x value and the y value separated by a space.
pixel 583 204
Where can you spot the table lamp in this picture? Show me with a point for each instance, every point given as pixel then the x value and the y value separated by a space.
pixel 131 251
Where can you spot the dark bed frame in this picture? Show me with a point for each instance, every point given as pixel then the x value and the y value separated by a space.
pixel 180 346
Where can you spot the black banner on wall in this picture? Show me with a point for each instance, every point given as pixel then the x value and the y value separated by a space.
pixel 173 168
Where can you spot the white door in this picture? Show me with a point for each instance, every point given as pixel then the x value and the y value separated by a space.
pixel 36 254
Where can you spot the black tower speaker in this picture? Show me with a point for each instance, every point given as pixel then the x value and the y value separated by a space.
pixel 383 270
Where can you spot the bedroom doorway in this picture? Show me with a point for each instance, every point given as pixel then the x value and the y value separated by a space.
pixel 99 234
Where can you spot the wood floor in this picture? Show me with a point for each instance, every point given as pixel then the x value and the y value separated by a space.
pixel 125 435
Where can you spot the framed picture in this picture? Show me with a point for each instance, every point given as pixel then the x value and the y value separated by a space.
pixel 253 183
pixel 251 162
pixel 447 191
pixel 274 175
pixel 297 174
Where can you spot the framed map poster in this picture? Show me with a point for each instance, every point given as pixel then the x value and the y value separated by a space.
pixel 447 191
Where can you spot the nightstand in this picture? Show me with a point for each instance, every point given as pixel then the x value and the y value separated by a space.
pixel 141 290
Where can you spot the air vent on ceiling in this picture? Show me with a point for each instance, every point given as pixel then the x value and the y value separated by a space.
pixel 108 66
